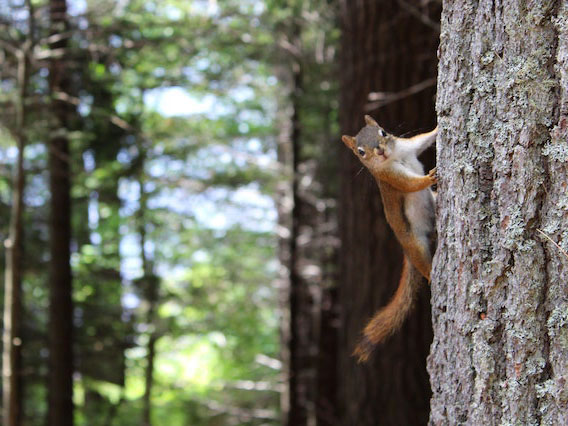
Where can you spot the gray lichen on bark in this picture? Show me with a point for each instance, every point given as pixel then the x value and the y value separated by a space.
pixel 499 290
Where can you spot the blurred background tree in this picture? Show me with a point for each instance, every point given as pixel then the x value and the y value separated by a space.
pixel 186 153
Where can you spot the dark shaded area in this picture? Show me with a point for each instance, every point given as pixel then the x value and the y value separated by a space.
pixel 385 49
pixel 60 389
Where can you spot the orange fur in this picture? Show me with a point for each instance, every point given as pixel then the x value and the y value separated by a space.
pixel 404 183
pixel 393 163
pixel 390 318
pixel 417 253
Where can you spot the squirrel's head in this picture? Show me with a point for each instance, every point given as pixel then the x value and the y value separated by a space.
pixel 372 144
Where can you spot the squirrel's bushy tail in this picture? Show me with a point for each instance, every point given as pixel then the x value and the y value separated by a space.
pixel 389 319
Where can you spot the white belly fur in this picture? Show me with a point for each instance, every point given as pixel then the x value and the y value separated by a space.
pixel 419 210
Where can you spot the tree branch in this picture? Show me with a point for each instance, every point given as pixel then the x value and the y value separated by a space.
pixel 380 99
pixel 422 17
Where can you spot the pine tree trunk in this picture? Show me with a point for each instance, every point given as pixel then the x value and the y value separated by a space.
pixel 298 399
pixel 302 374
pixel 296 249
pixel 12 401
pixel 385 48
pixel 149 283
pixel 283 200
pixel 12 338
pixel 500 280
pixel 149 380
pixel 60 300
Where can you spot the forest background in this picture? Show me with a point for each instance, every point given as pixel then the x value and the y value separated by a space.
pixel 187 243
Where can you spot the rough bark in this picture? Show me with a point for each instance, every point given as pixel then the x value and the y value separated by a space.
pixel 499 285
pixel 387 47
pixel 60 388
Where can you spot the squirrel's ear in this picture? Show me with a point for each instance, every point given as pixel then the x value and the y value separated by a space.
pixel 369 120
pixel 349 141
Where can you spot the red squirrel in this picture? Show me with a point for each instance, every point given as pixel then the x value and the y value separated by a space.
pixel 409 209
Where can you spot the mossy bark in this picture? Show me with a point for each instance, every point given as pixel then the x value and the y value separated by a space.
pixel 500 283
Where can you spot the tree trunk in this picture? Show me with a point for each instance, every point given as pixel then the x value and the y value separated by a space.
pixel 60 300
pixel 12 339
pixel 306 200
pixel 283 201
pixel 149 283
pixel 387 47
pixel 500 275
pixel 302 374
pixel 327 249
pixel 327 374
pixel 12 401
pixel 297 402
pixel 149 380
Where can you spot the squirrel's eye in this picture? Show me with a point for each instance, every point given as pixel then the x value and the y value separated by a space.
pixel 361 151
pixel 382 133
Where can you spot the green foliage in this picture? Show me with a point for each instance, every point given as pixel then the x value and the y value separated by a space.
pixel 196 188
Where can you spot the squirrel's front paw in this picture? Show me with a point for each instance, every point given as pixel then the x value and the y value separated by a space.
pixel 433 175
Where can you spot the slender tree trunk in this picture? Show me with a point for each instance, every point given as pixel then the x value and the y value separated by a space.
pixel 296 327
pixel 327 248
pixel 388 70
pixel 284 203
pixel 306 222
pixel 12 338
pixel 149 283
pixel 500 275
pixel 61 306
pixel 149 380
pixel 302 373
pixel 299 347
pixel 327 373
